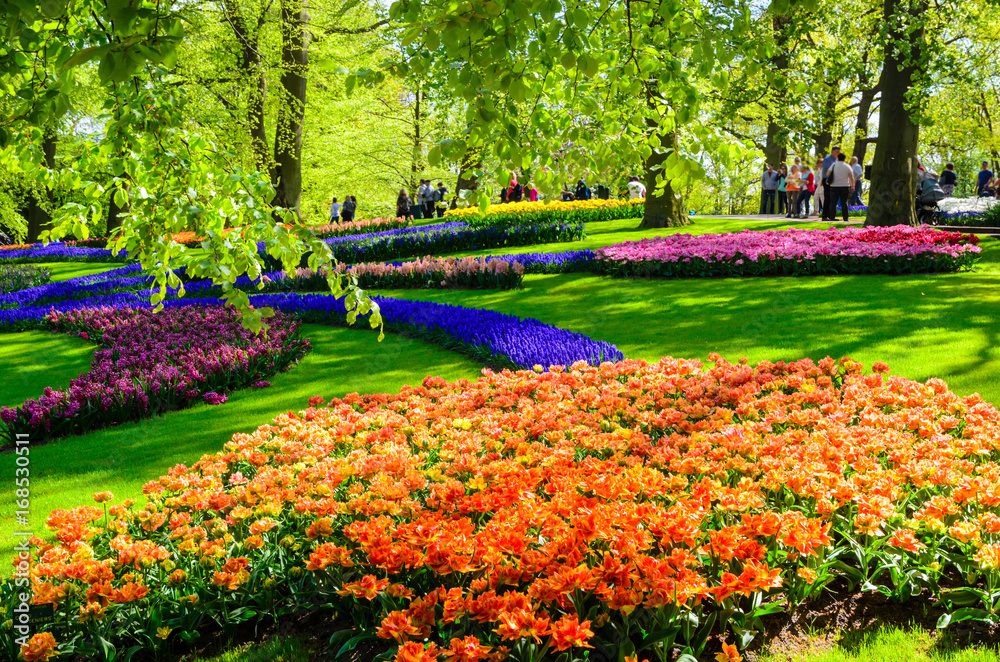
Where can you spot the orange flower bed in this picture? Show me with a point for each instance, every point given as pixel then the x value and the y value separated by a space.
pixel 628 508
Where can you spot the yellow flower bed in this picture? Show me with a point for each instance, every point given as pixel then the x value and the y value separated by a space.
pixel 517 213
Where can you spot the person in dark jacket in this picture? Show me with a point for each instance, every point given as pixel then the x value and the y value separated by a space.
pixel 403 204
pixel 582 191
pixel 347 211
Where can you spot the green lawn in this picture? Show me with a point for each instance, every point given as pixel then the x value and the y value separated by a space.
pixel 32 360
pixel 883 645
pixel 69 471
pixel 923 326
pixel 66 270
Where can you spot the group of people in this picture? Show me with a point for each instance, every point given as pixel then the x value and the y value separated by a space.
pixel 343 212
pixel 987 186
pixel 430 202
pixel 635 190
pixel 833 182
pixel 515 192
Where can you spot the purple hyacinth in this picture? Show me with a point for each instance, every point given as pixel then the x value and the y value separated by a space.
pixel 150 362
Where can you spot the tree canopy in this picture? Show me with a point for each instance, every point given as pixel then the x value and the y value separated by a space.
pixel 240 120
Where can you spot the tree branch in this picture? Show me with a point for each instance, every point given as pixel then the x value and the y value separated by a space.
pixel 339 30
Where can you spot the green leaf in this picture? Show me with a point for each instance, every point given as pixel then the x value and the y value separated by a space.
pixel 961 597
pixel 86 55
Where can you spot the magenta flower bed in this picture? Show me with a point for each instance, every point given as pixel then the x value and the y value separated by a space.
pixel 795 252
pixel 428 272
pixel 149 363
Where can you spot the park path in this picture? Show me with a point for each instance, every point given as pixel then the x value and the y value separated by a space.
pixel 775 217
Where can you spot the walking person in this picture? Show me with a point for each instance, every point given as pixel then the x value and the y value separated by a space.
pixel 334 211
pixel 636 189
pixel 948 179
pixel 427 199
pixel 984 181
pixel 792 185
pixel 841 178
pixel 532 192
pixel 828 203
pixel 768 188
pixel 858 173
pixel 403 204
pixel 439 199
pixel 782 189
pixel 819 203
pixel 350 206
pixel 806 190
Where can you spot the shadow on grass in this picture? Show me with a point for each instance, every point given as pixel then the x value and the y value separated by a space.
pixel 32 360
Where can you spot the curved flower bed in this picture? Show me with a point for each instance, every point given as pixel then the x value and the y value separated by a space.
pixel 331 230
pixel 148 363
pixel 795 252
pixel 552 263
pixel 58 252
pixel 626 507
pixel 444 238
pixel 428 272
pixel 494 339
pixel 16 277
pixel 116 280
pixel 557 211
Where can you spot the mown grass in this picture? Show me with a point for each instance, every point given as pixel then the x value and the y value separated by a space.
pixel 32 360
pixel 66 270
pixel 927 325
pixel 887 644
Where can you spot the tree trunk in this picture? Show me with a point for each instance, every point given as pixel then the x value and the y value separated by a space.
pixel 251 66
pixel 827 118
pixel 38 218
pixel 416 151
pixel 894 168
pixel 255 113
pixel 775 151
pixel 664 207
pixel 288 137
pixel 114 214
pixel 775 147
pixel 861 126
pixel 468 180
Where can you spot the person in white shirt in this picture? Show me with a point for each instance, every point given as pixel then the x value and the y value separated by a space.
pixel 425 198
pixel 334 211
pixel 636 190
pixel 841 178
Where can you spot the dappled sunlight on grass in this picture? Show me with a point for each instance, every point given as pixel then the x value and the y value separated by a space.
pixel 66 270
pixel 887 644
pixel 32 360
